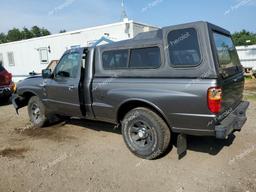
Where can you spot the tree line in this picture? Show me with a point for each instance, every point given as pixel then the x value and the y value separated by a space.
pixel 240 38
pixel 244 38
pixel 16 34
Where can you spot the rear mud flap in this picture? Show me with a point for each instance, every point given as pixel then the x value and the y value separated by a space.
pixel 182 145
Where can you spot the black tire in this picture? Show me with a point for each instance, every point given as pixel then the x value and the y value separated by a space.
pixel 36 112
pixel 145 133
pixel 5 100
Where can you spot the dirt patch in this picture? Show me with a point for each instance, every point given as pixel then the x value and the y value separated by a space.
pixel 54 133
pixel 250 90
pixel 96 159
pixel 250 85
pixel 13 152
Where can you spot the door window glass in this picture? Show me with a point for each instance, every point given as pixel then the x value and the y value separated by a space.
pixel 68 66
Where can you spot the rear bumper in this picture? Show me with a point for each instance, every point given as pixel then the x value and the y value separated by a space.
pixel 233 122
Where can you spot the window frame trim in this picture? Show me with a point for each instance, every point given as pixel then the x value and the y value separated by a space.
pixel 199 45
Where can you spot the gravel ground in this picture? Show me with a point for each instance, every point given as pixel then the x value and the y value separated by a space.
pixel 91 156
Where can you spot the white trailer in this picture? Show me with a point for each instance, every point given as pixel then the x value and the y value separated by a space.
pixel 22 57
pixel 247 55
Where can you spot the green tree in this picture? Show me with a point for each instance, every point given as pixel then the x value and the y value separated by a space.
pixel 3 38
pixel 63 31
pixel 36 31
pixel 45 32
pixel 14 35
pixel 27 34
pixel 244 38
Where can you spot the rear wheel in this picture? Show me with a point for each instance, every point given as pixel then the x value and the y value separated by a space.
pixel 36 112
pixel 145 133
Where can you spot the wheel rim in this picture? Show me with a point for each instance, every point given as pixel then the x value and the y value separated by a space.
pixel 35 113
pixel 141 135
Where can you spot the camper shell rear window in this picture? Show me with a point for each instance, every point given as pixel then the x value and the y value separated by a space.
pixel 227 56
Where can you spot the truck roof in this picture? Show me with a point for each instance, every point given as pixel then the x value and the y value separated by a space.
pixel 156 36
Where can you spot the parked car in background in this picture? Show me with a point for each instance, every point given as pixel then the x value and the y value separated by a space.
pixel 7 86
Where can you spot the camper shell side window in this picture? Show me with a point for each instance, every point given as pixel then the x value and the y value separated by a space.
pixel 133 58
pixel 183 47
pixel 115 59
pixel 145 58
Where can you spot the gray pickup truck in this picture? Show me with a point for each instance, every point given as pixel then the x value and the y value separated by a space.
pixel 184 79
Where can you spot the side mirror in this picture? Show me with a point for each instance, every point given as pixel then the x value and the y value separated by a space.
pixel 63 74
pixel 46 73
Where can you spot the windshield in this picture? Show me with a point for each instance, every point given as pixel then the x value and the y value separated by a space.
pixel 227 56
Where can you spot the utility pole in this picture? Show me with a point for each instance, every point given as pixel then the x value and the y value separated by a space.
pixel 123 13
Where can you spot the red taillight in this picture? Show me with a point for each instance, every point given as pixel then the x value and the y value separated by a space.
pixel 7 78
pixel 214 99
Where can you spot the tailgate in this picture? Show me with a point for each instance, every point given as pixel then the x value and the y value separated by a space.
pixel 232 90
pixel 231 77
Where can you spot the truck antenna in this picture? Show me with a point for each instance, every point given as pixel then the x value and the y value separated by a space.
pixel 123 13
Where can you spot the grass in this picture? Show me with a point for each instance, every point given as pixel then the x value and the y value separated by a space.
pixel 248 78
pixel 250 97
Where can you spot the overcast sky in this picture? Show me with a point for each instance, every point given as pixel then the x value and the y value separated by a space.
pixel 233 15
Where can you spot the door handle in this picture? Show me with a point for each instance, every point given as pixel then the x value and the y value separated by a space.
pixel 71 87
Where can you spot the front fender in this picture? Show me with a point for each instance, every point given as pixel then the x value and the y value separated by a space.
pixel 18 102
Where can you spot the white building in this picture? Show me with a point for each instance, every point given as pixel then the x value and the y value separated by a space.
pixel 22 57
pixel 247 55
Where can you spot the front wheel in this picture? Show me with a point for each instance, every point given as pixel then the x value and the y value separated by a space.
pixel 36 112
pixel 145 133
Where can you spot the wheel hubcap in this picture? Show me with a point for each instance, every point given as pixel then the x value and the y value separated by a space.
pixel 141 134
pixel 35 112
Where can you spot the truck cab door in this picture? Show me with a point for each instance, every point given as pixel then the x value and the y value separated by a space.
pixel 62 91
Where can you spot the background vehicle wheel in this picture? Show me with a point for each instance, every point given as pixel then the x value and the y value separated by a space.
pixel 36 112
pixel 145 133
pixel 5 100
